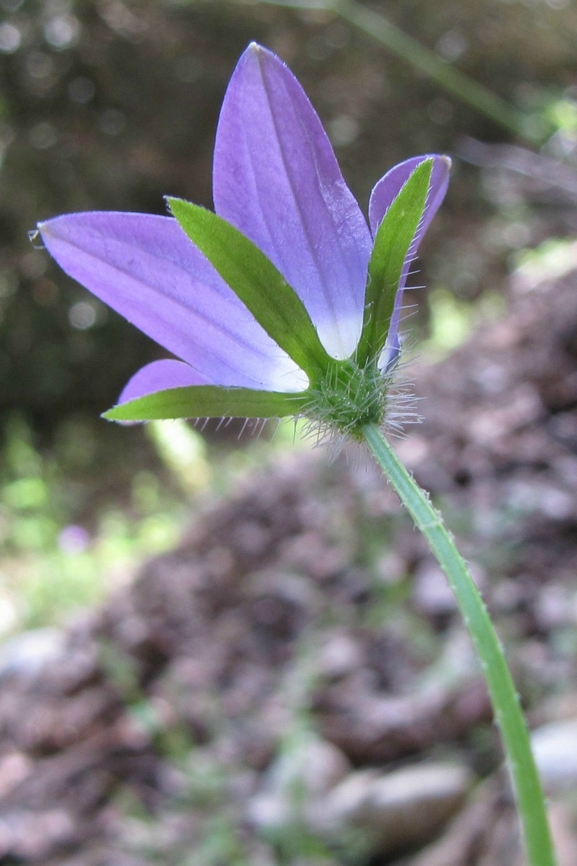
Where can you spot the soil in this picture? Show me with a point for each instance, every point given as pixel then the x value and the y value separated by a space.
pixel 305 604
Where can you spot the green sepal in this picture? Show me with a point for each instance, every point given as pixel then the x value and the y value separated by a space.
pixel 208 401
pixel 392 244
pixel 255 280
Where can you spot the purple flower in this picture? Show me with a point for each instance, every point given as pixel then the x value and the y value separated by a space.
pixel 282 298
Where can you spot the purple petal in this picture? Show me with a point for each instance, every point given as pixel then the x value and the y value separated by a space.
pixel 276 179
pixel 382 196
pixel 389 186
pixel 146 269
pixel 160 376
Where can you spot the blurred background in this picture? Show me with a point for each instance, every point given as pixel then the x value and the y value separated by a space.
pixel 113 104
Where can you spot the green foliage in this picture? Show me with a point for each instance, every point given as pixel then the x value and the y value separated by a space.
pixel 60 548
pixel 77 515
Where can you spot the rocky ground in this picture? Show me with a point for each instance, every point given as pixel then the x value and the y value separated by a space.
pixel 293 685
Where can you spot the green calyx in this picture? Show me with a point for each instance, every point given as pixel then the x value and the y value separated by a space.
pixel 348 397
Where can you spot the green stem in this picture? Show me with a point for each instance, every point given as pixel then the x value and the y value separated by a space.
pixel 508 713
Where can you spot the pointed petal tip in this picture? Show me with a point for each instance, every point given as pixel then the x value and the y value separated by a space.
pixel 256 52
pixel 61 219
pixel 42 228
pixel 265 60
pixel 52 229
pixel 389 186
pixel 443 162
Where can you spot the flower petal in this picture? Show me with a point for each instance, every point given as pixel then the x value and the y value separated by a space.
pixel 146 269
pixel 160 376
pixel 276 179
pixel 389 186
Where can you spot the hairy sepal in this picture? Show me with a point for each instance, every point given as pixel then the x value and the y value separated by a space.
pixel 255 280
pixel 392 248
pixel 208 401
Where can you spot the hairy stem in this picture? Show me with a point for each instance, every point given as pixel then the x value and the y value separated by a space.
pixel 508 713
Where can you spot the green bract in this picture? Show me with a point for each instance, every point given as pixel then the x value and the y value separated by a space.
pixel 391 250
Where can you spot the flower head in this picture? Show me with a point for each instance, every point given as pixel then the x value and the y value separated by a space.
pixel 283 302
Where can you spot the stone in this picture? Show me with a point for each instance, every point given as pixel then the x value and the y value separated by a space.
pixel 393 812
pixel 555 750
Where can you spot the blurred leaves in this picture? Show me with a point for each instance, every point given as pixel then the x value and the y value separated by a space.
pixel 60 533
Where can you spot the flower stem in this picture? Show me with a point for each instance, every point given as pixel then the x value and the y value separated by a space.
pixel 506 705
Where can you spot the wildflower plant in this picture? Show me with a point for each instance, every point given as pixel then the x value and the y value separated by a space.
pixel 286 302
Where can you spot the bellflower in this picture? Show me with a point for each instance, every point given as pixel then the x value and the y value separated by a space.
pixel 283 302
pixel 286 302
